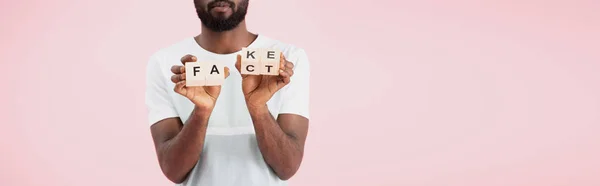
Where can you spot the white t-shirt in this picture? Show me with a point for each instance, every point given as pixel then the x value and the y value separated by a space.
pixel 230 156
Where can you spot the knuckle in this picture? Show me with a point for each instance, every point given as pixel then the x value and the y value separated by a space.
pixel 176 78
pixel 177 69
pixel 186 58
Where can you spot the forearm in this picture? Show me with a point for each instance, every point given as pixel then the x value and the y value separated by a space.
pixel 281 151
pixel 180 154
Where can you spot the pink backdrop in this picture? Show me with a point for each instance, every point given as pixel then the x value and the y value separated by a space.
pixel 419 93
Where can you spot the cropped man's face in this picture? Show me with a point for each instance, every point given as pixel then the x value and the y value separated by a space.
pixel 221 15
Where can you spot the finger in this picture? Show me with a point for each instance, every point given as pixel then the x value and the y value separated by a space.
pixel 226 72
pixel 178 69
pixel 285 76
pixel 188 58
pixel 282 61
pixel 286 80
pixel 180 87
pixel 289 71
pixel 238 62
pixel 289 65
pixel 238 65
pixel 178 78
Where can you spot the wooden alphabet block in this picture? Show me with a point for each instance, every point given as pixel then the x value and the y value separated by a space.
pixel 270 56
pixel 261 61
pixel 215 74
pixel 270 69
pixel 250 55
pixel 253 68
pixel 195 74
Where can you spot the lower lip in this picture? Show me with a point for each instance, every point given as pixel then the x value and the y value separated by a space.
pixel 221 9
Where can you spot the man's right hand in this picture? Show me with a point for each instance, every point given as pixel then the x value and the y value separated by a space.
pixel 204 97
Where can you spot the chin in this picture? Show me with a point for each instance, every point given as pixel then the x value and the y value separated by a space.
pixel 221 17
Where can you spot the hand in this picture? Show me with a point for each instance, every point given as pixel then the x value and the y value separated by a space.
pixel 203 97
pixel 258 89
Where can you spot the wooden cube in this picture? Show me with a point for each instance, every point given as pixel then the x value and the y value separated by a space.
pixel 270 56
pixel 215 74
pixel 270 68
pixel 252 68
pixel 195 74
pixel 250 55
pixel 214 81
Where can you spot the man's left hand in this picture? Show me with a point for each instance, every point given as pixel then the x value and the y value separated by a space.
pixel 258 89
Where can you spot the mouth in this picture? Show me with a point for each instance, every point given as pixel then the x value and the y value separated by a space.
pixel 220 5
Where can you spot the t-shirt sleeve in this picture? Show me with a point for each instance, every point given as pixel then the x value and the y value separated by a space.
pixel 296 93
pixel 158 102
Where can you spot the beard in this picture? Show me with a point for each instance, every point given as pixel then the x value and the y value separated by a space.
pixel 221 24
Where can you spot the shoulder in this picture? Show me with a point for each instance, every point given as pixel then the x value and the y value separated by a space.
pixel 292 53
pixel 171 52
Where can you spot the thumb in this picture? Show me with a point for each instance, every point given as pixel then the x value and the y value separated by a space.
pixel 226 72
pixel 238 63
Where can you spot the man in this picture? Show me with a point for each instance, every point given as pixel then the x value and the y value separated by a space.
pixel 250 130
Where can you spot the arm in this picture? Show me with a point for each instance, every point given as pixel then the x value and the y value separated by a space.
pixel 281 141
pixel 179 146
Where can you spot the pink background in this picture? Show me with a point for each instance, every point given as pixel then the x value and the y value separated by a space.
pixel 419 93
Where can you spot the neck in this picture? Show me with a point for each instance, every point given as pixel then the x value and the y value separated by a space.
pixel 225 42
